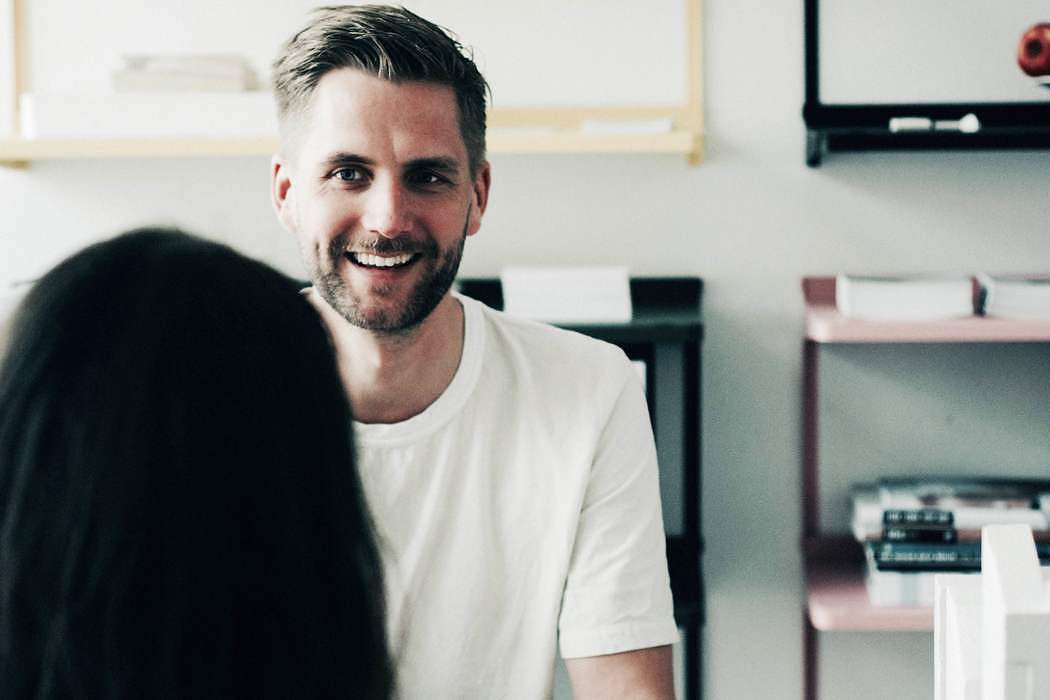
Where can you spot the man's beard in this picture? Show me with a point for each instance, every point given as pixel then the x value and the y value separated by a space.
pixel 439 273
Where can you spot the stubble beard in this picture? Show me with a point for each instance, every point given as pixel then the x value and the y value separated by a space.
pixel 438 275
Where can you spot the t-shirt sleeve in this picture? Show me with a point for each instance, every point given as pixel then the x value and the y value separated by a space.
pixel 617 594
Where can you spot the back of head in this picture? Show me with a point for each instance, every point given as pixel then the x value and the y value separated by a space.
pixel 179 511
pixel 388 42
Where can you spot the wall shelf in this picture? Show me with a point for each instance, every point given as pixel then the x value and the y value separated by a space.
pixel 837 600
pixel 75 149
pixel 499 142
pixel 824 324
pixel 607 129
pixel 672 142
pixel 842 128
pixel 834 127
pixel 836 596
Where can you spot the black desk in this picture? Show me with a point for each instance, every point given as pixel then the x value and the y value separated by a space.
pixel 666 318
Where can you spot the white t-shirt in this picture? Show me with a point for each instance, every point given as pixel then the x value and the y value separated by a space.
pixel 521 506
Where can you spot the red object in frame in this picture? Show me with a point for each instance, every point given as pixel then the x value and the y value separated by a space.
pixel 1033 53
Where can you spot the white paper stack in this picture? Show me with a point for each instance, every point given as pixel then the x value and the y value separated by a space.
pixel 568 295
pixel 185 73
pixel 1015 296
pixel 909 298
pixel 128 115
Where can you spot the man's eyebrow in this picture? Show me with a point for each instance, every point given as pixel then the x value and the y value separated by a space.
pixel 445 164
pixel 342 159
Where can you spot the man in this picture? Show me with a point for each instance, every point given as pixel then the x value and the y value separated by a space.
pixel 510 466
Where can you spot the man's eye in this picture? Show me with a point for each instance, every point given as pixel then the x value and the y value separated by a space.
pixel 428 178
pixel 348 174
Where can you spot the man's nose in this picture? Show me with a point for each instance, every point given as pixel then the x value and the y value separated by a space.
pixel 386 210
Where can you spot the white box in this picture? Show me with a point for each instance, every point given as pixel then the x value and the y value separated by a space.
pixel 568 295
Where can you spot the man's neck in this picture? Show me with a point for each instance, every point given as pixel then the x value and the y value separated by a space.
pixel 393 377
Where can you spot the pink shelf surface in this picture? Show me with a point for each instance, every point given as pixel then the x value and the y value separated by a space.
pixel 825 324
pixel 837 600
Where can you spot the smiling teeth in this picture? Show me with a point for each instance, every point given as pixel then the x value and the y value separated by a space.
pixel 378 261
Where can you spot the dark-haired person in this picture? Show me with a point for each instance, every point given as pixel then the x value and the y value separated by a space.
pixel 180 515
pixel 510 465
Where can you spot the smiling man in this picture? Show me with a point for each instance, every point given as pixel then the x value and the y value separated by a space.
pixel 509 466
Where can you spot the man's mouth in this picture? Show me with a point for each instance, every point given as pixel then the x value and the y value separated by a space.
pixel 381 261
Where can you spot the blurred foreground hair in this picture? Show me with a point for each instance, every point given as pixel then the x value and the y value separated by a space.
pixel 180 513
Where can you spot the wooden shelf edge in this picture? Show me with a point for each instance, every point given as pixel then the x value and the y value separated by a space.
pixel 170 147
pixel 529 141
pixel 836 600
pixel 571 117
pixel 500 142
pixel 824 324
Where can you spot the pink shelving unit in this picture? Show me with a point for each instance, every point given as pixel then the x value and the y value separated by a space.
pixel 824 324
pixel 835 595
pixel 837 600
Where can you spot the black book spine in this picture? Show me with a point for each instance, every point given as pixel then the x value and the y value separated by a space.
pixel 924 517
pixel 931 535
pixel 927 557
pixel 916 556
pixel 927 525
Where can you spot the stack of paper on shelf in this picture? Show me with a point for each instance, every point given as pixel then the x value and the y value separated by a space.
pixel 586 295
pixel 907 298
pixel 913 528
pixel 1015 296
pixel 183 73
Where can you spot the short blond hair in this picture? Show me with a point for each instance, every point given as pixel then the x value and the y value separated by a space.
pixel 391 43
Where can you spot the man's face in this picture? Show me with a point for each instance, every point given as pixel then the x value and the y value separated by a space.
pixel 379 192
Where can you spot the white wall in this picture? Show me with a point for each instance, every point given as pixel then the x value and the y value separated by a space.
pixel 751 221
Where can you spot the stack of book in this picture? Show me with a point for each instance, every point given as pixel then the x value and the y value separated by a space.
pixel 904 298
pixel 1015 296
pixel 942 297
pixel 914 528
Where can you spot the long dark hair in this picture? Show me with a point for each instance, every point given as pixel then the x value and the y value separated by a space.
pixel 180 512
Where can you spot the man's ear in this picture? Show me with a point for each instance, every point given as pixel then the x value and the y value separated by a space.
pixel 482 185
pixel 282 195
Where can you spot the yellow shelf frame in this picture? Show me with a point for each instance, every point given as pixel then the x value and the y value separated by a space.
pixel 516 130
pixel 512 141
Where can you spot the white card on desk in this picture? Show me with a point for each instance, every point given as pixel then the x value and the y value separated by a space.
pixel 568 295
